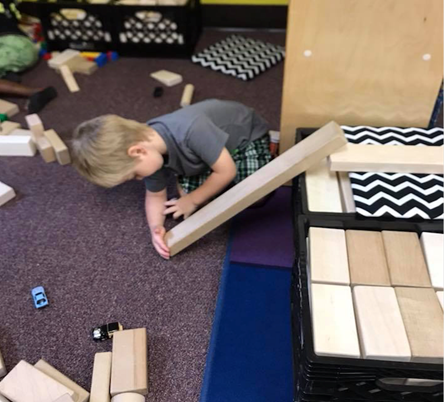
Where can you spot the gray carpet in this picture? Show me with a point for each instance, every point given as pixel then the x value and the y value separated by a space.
pixel 90 247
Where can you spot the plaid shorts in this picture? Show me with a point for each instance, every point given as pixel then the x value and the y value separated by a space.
pixel 255 155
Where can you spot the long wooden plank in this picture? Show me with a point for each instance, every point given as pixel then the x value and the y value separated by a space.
pixel 381 330
pixel 60 149
pixel 129 371
pixel 333 317
pixel 328 256
pixel 347 199
pixel 7 127
pixel 322 187
pixel 101 378
pixel 433 247
pixel 388 158
pixel 329 74
pixel 366 258
pixel 405 259
pixel 80 394
pixel 15 145
pixel 423 321
pixel 25 383
pixel 288 165
pixel 8 108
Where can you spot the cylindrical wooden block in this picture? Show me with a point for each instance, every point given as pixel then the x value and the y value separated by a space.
pixel 187 95
pixel 128 397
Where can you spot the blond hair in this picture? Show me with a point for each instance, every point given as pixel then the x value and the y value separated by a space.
pixel 99 148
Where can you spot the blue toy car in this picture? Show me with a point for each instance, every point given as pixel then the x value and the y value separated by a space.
pixel 39 297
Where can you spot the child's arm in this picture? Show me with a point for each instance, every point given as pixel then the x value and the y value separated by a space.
pixel 224 171
pixel 154 206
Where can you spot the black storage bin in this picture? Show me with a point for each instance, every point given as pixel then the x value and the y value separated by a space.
pixel 131 30
pixel 321 378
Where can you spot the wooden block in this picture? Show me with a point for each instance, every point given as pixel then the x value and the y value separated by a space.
pixel 2 363
pixel 423 321
pixel 388 159
pixel 328 256
pixel 322 189
pixel 187 95
pixel 7 127
pixel 281 169
pixel 21 132
pixel 128 397
pixel 17 146
pixel 333 318
pixel 6 194
pixel 366 258
pixel 129 371
pixel 440 296
pixel 46 150
pixel 433 248
pixel 65 398
pixel 60 149
pixel 69 79
pixel 167 77
pixel 35 125
pixel 347 199
pixel 405 260
pixel 25 383
pixel 101 378
pixel 67 58
pixel 80 395
pixel 83 66
pixel 8 108
pixel 381 330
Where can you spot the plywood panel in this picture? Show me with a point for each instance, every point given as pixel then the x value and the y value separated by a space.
pixel 405 259
pixel 334 326
pixel 328 256
pixel 322 189
pixel 381 330
pixel 388 158
pixel 433 247
pixel 361 62
pixel 366 258
pixel 423 321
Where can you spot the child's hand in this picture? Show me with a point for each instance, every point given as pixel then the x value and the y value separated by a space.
pixel 183 206
pixel 157 237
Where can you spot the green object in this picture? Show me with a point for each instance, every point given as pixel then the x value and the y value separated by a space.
pixel 3 117
pixel 43 45
pixel 17 53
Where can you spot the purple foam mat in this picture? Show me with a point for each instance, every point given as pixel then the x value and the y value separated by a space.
pixel 264 235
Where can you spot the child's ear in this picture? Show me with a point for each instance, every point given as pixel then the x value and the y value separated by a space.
pixel 136 150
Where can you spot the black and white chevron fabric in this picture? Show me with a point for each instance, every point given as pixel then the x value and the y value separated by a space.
pixel 397 195
pixel 240 57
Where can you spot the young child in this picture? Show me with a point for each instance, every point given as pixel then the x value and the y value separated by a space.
pixel 207 146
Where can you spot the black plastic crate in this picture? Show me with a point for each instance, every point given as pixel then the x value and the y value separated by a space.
pixel 131 30
pixel 321 378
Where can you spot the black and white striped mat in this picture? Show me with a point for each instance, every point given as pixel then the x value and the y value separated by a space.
pixel 397 195
pixel 240 57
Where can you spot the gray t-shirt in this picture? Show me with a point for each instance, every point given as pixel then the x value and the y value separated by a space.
pixel 196 135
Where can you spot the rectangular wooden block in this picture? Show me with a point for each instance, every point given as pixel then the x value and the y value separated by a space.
pixel 35 125
pixel 167 77
pixel 7 127
pixel 328 256
pixel 69 79
pixel 46 150
pixel 129 371
pixel 433 248
pixel 6 194
pixel 65 398
pixel 322 187
pixel 405 260
pixel 347 199
pixel 423 321
pixel 366 258
pixel 68 58
pixel 333 318
pixel 16 146
pixel 25 383
pixel 83 66
pixel 101 378
pixel 381 330
pixel 281 169
pixel 8 108
pixel 80 394
pixel 60 149
pixel 388 159
pixel 440 296
pixel 22 132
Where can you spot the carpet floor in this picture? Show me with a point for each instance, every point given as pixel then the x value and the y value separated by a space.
pixel 90 247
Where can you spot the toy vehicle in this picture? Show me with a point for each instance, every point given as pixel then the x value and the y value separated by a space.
pixel 39 297
pixel 104 332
